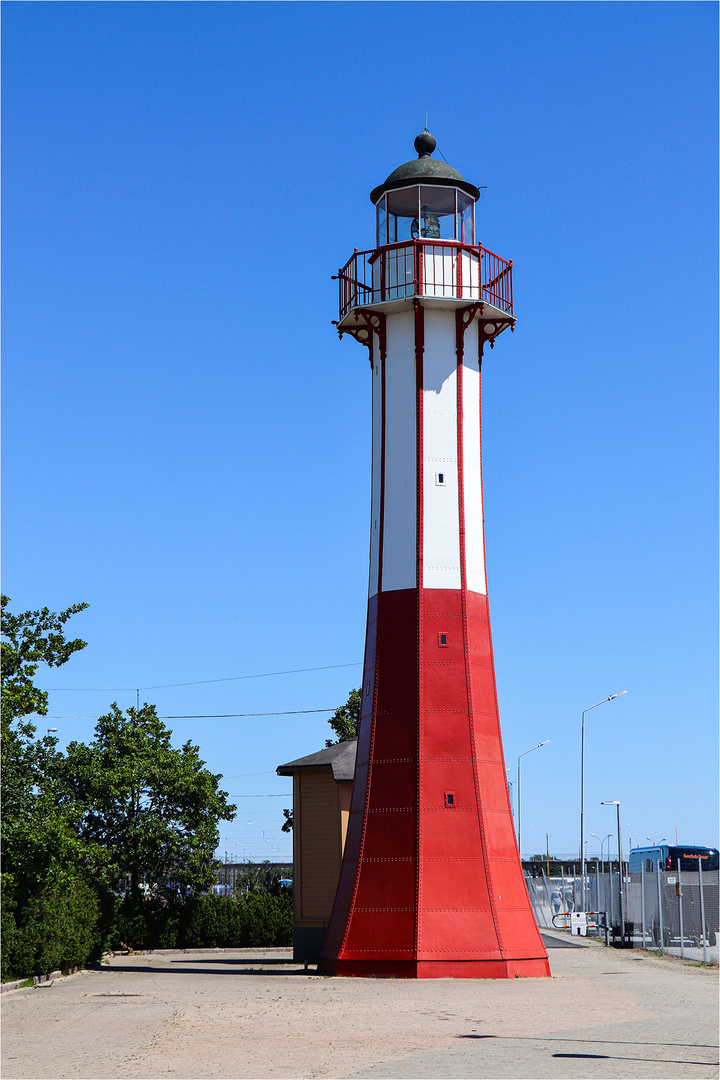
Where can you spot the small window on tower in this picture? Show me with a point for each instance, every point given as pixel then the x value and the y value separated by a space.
pixel 440 479
pixel 443 641
pixel 450 800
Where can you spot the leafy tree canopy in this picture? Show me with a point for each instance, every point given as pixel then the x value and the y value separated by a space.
pixel 30 639
pixel 153 809
pixel 37 831
pixel 345 721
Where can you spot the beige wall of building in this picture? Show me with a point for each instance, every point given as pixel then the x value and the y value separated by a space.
pixel 322 788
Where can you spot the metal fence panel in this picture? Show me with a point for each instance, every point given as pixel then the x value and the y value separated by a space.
pixel 670 912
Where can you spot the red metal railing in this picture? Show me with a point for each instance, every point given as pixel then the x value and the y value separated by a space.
pixel 425 268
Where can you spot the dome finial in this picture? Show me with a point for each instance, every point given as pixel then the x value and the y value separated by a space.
pixel 424 169
pixel 425 144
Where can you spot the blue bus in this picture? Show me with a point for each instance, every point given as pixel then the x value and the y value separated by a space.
pixel 668 856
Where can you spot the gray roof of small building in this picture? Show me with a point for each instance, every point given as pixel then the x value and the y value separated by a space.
pixel 424 169
pixel 340 757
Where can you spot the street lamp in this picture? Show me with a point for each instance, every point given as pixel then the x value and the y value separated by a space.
pixel 614 802
pixel 582 790
pixel 544 743
pixel 602 845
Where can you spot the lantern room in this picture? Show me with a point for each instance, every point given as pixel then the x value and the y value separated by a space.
pixel 427 212
pixel 440 208
pixel 425 248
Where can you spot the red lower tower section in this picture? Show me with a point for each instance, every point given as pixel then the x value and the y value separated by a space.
pixel 431 883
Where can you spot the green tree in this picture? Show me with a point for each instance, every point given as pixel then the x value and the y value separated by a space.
pixel 50 908
pixel 153 809
pixel 31 822
pixel 345 721
pixel 36 831
pixel 30 639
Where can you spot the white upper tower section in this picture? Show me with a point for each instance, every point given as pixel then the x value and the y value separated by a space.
pixel 425 301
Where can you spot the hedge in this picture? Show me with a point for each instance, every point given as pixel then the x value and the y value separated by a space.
pixel 258 920
pixel 58 927
pixel 70 921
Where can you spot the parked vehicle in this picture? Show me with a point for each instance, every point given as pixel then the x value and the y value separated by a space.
pixel 664 856
pixel 673 871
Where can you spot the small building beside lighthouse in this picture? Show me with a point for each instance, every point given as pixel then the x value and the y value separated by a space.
pixel 322 789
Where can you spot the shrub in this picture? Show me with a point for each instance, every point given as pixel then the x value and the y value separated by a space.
pixel 149 924
pixel 266 921
pixel 58 927
pixel 258 920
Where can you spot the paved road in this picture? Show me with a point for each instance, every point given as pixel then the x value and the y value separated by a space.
pixel 254 1014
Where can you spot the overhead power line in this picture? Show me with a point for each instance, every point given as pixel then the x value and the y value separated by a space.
pixel 223 716
pixel 212 716
pixel 242 775
pixel 198 682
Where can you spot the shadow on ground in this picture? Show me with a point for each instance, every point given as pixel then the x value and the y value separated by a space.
pixel 234 967
pixel 608 1042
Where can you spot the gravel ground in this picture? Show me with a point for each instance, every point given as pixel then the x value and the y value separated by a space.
pixel 254 1014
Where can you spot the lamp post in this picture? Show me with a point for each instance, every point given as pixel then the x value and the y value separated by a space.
pixel 544 743
pixel 602 845
pixel 582 791
pixel 602 871
pixel 615 803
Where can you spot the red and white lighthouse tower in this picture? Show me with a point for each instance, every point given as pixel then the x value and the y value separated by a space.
pixel 431 883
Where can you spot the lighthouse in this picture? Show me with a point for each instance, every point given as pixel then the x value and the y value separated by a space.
pixel 431 884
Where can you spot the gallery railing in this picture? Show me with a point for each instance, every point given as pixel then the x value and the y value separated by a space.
pixel 426 268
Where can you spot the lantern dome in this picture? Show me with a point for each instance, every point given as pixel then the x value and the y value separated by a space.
pixel 424 170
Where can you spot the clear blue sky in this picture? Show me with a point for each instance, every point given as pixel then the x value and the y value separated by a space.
pixel 187 444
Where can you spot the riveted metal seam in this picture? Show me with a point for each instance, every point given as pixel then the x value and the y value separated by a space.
pixel 419 316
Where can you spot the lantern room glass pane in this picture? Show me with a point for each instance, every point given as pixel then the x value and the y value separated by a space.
pixel 402 214
pixel 466 218
pixel 381 224
pixel 437 213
